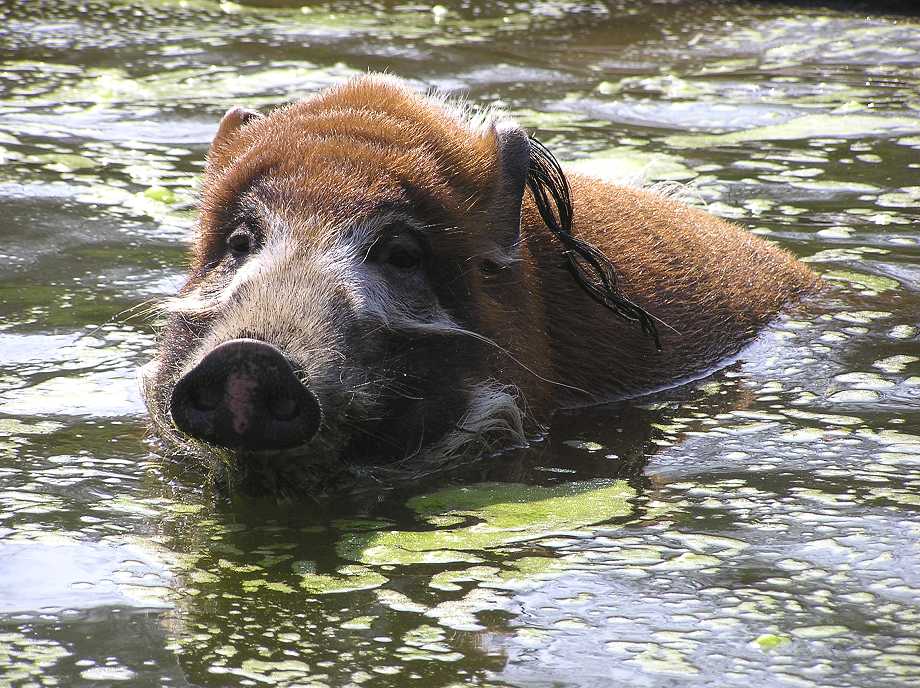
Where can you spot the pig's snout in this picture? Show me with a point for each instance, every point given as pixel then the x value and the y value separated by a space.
pixel 245 395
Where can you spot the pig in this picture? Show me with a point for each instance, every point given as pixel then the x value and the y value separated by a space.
pixel 385 284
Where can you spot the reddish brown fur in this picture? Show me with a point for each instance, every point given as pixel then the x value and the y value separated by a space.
pixel 711 284
pixel 340 154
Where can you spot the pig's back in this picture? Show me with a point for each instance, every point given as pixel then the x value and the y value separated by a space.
pixel 711 285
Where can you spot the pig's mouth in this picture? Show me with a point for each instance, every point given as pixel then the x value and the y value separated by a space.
pixel 245 395
pixel 245 410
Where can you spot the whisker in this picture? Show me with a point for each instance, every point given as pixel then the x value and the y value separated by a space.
pixel 454 329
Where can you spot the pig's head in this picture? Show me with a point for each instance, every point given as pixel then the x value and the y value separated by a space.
pixel 355 263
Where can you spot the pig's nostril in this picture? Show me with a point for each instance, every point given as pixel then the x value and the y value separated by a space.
pixel 205 398
pixel 283 408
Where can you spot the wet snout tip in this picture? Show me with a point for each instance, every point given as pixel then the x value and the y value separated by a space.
pixel 246 394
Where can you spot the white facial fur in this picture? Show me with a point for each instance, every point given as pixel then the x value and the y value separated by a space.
pixel 493 420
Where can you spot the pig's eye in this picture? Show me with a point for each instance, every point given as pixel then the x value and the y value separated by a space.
pixel 404 258
pixel 402 252
pixel 240 242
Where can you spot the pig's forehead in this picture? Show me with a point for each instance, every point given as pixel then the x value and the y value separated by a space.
pixel 356 149
pixel 337 186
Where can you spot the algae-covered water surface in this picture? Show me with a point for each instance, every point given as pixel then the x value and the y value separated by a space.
pixel 759 526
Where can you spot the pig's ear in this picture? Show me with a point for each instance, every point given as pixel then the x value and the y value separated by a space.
pixel 513 151
pixel 232 121
pixel 527 163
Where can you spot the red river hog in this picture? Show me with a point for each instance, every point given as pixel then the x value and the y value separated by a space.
pixel 384 284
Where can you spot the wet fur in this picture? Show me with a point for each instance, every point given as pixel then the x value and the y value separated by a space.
pixel 417 373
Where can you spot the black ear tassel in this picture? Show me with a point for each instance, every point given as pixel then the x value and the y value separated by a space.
pixel 590 268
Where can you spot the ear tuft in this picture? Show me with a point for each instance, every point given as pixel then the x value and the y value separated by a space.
pixel 589 266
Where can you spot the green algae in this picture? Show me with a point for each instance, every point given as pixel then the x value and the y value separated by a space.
pixel 904 497
pixel 12 427
pixel 771 641
pixel 202 577
pixel 64 162
pixel 106 87
pixel 688 561
pixel 108 673
pixel 861 317
pixel 669 86
pixel 903 332
pixel 895 364
pixel 346 579
pixel 664 660
pixel 427 643
pixel 874 283
pixel 24 659
pixel 254 584
pixel 503 514
pixel 352 524
pixel 829 418
pixel 630 165
pixel 398 601
pixel 864 380
pixel 816 632
pixel 448 580
pixel 161 194
pixel 906 197
pixel 833 186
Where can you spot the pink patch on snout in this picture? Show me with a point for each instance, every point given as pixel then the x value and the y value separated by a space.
pixel 240 400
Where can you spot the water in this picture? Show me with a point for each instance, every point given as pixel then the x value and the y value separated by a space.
pixel 761 527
